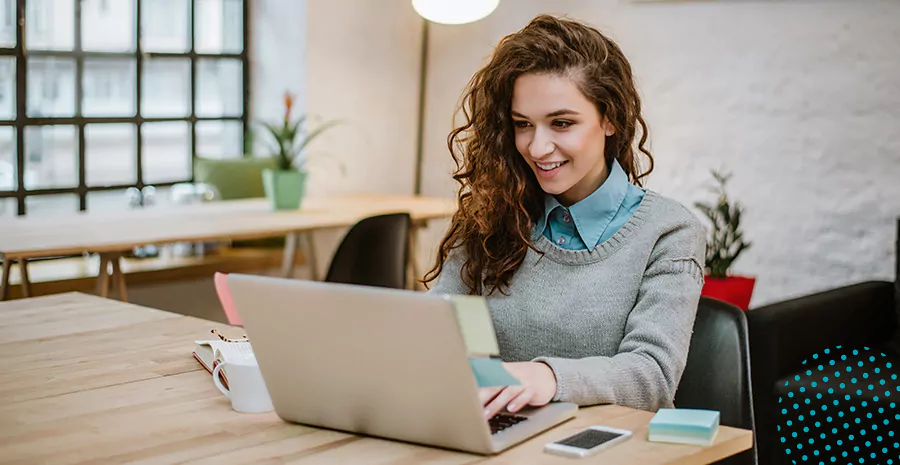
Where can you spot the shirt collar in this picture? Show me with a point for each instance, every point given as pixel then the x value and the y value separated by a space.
pixel 593 214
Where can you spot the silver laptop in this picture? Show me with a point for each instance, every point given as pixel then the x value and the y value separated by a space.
pixel 373 361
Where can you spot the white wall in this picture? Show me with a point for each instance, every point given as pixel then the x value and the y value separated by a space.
pixel 801 100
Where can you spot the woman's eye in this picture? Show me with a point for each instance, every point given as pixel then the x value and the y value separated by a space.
pixel 522 124
pixel 562 124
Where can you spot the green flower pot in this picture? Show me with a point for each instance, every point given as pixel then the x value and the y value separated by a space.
pixel 284 189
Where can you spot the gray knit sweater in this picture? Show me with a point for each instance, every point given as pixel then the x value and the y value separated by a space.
pixel 614 323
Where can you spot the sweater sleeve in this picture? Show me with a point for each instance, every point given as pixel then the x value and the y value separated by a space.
pixel 450 280
pixel 645 372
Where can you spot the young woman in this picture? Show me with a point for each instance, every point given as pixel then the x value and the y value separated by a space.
pixel 592 281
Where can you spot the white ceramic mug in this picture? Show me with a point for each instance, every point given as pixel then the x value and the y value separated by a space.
pixel 246 387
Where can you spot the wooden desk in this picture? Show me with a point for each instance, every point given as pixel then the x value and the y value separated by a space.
pixel 90 379
pixel 111 234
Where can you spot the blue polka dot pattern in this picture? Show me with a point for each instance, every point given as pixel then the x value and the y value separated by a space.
pixel 858 402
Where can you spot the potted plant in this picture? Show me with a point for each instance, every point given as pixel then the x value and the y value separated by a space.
pixel 725 244
pixel 285 185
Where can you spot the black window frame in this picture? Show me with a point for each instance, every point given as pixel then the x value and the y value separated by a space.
pixel 22 120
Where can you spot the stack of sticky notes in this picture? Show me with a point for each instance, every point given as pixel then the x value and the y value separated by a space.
pixel 684 426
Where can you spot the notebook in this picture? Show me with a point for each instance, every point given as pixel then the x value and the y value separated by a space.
pixel 213 352
pixel 684 426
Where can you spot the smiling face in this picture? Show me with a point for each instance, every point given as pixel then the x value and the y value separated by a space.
pixel 561 135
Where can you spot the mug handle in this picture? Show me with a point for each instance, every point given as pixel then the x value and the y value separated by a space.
pixel 215 375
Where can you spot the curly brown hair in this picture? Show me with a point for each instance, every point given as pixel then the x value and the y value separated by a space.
pixel 500 199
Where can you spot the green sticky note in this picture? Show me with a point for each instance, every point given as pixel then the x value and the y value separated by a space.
pixel 490 372
pixel 475 324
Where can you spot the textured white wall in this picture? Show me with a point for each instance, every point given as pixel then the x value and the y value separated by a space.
pixel 800 99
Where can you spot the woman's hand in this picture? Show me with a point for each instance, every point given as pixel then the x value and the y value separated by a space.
pixel 538 388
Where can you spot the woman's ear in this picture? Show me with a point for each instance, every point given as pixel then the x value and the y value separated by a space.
pixel 608 127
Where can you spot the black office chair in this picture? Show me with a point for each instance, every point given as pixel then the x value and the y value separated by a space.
pixel 717 375
pixel 373 253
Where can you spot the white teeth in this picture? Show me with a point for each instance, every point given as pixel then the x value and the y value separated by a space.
pixel 549 166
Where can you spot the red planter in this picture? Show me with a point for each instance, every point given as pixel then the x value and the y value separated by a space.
pixel 735 290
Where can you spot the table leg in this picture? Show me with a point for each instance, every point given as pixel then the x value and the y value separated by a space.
pixel 311 259
pixel 290 255
pixel 26 281
pixel 103 276
pixel 4 284
pixel 119 277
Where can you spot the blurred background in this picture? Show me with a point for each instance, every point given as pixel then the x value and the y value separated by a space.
pixel 798 99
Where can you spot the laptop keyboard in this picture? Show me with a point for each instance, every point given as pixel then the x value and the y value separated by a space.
pixel 502 421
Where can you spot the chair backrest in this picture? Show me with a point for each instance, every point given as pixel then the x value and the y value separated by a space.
pixel 717 375
pixel 373 253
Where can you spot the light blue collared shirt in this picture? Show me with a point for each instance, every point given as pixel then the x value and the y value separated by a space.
pixel 588 223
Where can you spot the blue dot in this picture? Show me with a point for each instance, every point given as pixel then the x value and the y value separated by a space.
pixel 875 399
pixel 819 395
pixel 831 362
pixel 840 442
pixel 804 458
pixel 794 434
pixel 866 375
pixel 789 423
pixel 828 447
pixel 859 392
pixel 837 374
pixel 808 372
pixel 834 402
pixel 855 352
pixel 825 379
pixel 881 382
pixel 847 426
pixel 818 424
pixel 828 419
pixel 807 401
pixel 844 454
pixel 791 394
pixel 822 436
pixel 885 423
pixel 802 389
pixel 878 370
pixel 800 418
pixel 834 430
pixel 824 408
pixel 868 415
pixel 834 459
pixel 849 369
pixel 855 448
pixel 827 351
pixel 843 385
pixel 868 444
pixel 860 364
pixel 894 377
pixel 888 365
pixel 847 397
pixel 811 441
pixel 815 356
pixel 864 403
pixel 878 438
pixel 796 378
pixel 843 357
pixel 805 429
pixel 820 367
pixel 841 414
pixel 853 380
pixel 852 409
pixel 796 406
pixel 813 384
pixel 891 433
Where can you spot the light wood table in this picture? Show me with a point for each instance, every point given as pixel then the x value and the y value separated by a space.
pixel 86 379
pixel 112 234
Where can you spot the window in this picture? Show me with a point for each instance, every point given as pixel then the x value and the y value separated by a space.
pixel 99 96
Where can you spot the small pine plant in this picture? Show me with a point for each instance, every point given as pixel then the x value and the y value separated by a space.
pixel 726 241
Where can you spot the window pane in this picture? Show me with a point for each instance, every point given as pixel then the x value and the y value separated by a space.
pixel 218 26
pixel 109 86
pixel 219 89
pixel 8 207
pixel 50 24
pixel 164 25
pixel 166 152
pixel 8 88
pixel 110 154
pixel 50 157
pixel 8 23
pixel 8 179
pixel 51 87
pixel 107 25
pixel 166 87
pixel 219 139
pixel 115 200
pixel 57 204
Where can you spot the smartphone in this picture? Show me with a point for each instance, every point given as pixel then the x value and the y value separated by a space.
pixel 588 441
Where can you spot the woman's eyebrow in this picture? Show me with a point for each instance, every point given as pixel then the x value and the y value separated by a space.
pixel 564 111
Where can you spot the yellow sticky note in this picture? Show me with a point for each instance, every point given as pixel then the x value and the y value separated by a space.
pixel 475 324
